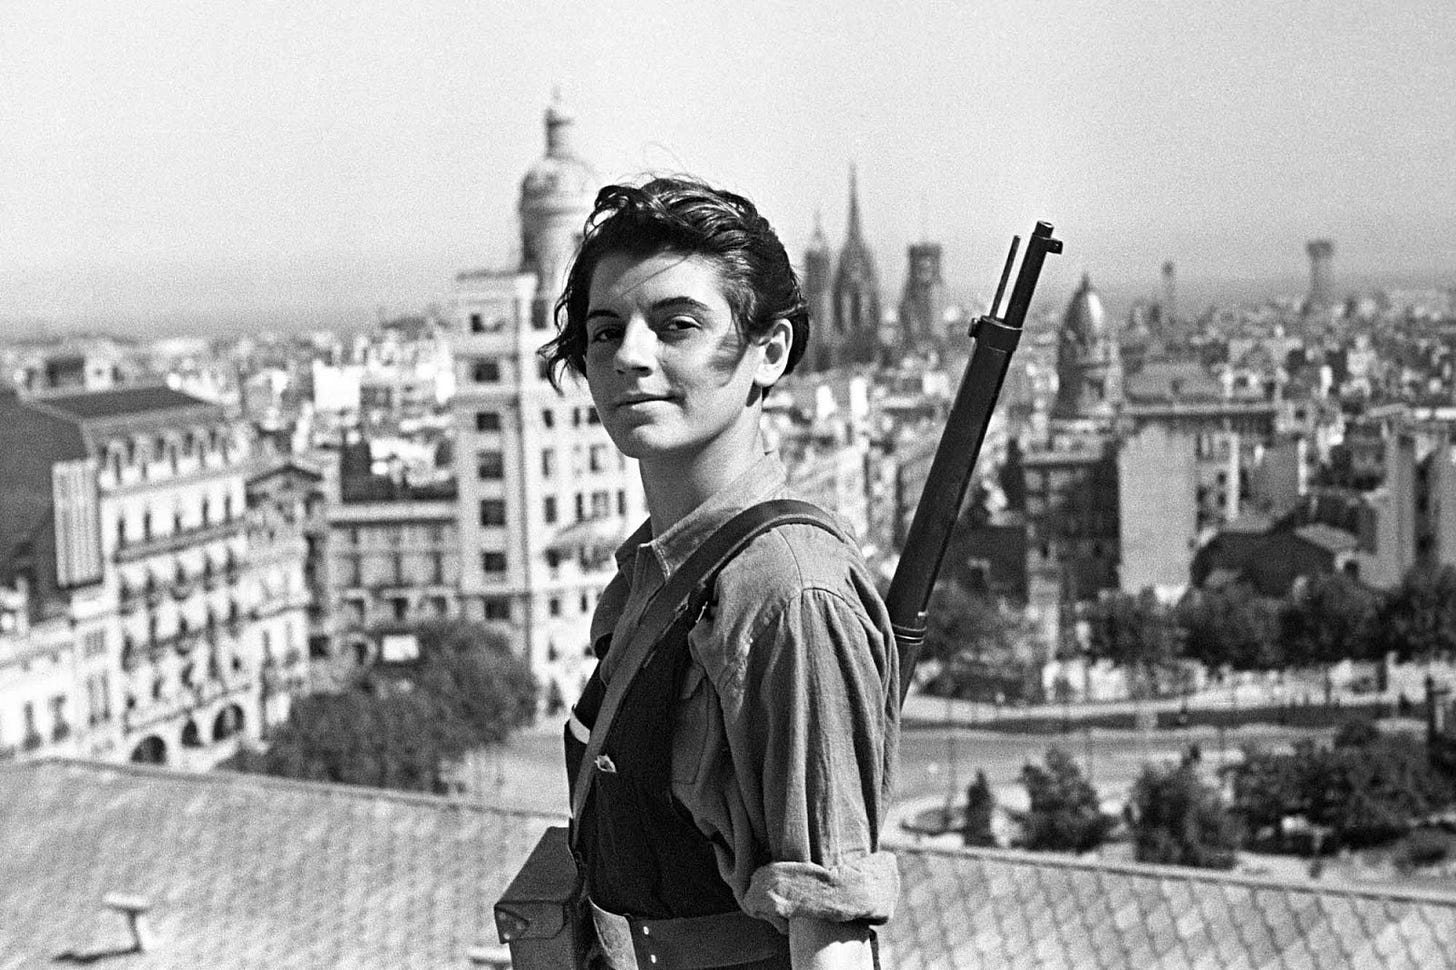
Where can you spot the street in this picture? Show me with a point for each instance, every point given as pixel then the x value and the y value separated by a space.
pixel 527 773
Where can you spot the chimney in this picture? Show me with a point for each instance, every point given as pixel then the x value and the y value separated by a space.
pixel 134 908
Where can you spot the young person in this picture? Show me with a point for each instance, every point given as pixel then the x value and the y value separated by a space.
pixel 748 775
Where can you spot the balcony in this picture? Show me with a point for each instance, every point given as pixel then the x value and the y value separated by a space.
pixel 173 541
pixel 185 702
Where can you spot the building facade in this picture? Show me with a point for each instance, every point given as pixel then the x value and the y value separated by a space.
pixel 134 527
pixel 544 496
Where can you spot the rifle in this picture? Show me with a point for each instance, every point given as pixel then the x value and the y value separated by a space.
pixel 960 445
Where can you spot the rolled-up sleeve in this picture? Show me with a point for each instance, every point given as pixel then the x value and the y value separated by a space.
pixel 816 719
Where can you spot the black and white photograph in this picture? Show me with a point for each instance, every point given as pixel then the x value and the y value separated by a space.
pixel 668 485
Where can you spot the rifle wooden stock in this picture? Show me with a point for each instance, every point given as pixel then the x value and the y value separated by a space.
pixel 960 446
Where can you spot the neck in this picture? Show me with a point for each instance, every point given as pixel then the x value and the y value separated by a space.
pixel 675 485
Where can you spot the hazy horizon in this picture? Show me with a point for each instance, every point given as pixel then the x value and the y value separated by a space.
pixel 283 166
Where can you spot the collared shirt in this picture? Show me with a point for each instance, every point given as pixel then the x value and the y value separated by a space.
pixel 788 720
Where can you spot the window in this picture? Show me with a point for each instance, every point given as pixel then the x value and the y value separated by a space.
pixel 121 532
pixel 576 417
pixel 592 417
pixel 548 462
pixel 585 603
pixel 486 371
pixel 553 605
pixel 93 644
pixel 487 421
pixel 496 607
pixel 548 418
pixel 538 314
pixel 549 508
pixel 594 460
pixel 490 465
pixel 400 605
pixel 543 369
pixel 580 506
pixel 601 504
pixel 492 511
pixel 621 501
pixel 437 568
pixel 493 562
pixel 553 560
pixel 476 324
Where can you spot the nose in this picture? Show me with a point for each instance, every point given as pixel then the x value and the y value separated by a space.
pixel 638 349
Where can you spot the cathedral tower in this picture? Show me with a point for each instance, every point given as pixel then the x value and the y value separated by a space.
pixel 922 306
pixel 855 334
pixel 556 197
pixel 1089 363
pixel 818 262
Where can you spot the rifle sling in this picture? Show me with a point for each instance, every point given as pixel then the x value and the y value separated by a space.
pixel 682 597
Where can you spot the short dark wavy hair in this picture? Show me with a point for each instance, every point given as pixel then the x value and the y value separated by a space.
pixel 682 215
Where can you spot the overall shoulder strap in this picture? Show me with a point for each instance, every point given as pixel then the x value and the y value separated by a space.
pixel 682 598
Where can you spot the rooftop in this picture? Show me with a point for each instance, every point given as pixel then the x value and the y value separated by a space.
pixel 119 403
pixel 243 871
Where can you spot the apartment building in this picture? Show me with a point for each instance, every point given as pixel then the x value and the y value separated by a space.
pixel 125 516
pixel 544 497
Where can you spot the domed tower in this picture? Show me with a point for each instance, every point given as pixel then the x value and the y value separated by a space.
pixel 818 261
pixel 1089 364
pixel 856 332
pixel 556 197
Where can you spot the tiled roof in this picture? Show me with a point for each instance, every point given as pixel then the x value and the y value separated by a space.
pixel 246 872
pixel 990 908
pixel 250 872
pixel 92 405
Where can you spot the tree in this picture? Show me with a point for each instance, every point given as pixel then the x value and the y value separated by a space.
pixel 1134 632
pixel 1065 814
pixel 398 741
pixel 1230 626
pixel 471 670
pixel 1365 790
pixel 961 623
pixel 1177 819
pixel 980 809
pixel 1328 620
pixel 402 724
pixel 1418 620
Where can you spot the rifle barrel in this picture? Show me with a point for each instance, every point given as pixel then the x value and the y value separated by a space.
pixel 955 457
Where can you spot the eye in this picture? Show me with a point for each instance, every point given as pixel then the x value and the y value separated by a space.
pixel 680 324
pixel 605 333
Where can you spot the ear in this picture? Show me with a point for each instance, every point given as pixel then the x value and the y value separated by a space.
pixel 774 357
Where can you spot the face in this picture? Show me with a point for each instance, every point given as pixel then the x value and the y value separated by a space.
pixel 669 373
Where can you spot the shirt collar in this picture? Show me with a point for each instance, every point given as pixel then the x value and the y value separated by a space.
pixel 761 481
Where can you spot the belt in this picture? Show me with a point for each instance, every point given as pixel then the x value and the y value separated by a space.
pixel 685 943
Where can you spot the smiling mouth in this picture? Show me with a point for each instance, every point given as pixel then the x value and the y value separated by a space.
pixel 636 399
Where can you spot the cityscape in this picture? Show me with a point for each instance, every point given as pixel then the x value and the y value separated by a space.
pixel 292 611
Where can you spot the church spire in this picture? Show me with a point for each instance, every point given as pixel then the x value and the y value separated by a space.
pixel 853 235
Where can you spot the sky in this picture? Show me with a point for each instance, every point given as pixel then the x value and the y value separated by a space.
pixel 182 166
